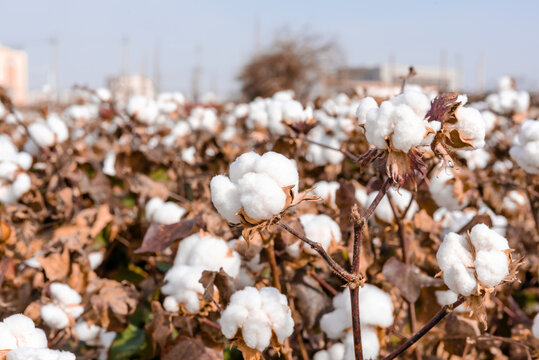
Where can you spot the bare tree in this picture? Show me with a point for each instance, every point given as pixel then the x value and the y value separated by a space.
pixel 300 62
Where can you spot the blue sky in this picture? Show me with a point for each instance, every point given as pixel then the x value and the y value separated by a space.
pixel 90 35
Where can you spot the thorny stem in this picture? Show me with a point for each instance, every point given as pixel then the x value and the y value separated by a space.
pixel 425 329
pixel 343 274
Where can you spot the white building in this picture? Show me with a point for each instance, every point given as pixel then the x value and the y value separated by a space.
pixel 14 74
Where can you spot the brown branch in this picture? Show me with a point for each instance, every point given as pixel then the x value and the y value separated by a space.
pixel 343 274
pixel 273 265
pixel 425 329
pixel 323 283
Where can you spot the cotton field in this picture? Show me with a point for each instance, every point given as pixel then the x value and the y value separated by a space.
pixel 341 227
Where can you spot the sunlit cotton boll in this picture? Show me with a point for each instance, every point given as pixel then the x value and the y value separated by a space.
pixel 327 191
pixel 19 331
pixel 319 228
pixel 54 316
pixel 369 342
pixel 261 197
pixel 365 105
pixel 225 197
pixel 526 150
pixel 257 313
pixel 41 134
pixel 162 212
pixel 335 352
pixel 442 190
pixel 471 125
pixel 409 128
pixel 401 198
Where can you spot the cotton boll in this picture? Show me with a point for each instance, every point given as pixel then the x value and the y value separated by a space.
pixel 379 125
pixel 41 134
pixel 327 191
pixel 257 313
pixel 225 197
pixel 261 197
pixel 7 340
pixel 21 185
pixel 361 196
pixel 24 331
pixel 490 120
pixel 54 316
pixel 365 105
pixel 491 267
pixel 152 206
pixel 513 200
pixel 471 125
pixel 321 229
pixel 446 297
pixel 460 279
pixel 64 294
pixel 39 354
pixel 526 150
pixel 7 170
pixel 243 164
pixel 142 108
pixel 369 342
pixel 442 190
pixel 484 238
pixel 95 258
pixel 58 127
pixel 475 159
pixel 401 198
pixel 414 99
pixel 181 282
pixel 409 129
pixel 335 352
pixel 24 160
pixel 292 111
pixel 454 250
pixel 502 166
pixel 168 213
pixel 281 169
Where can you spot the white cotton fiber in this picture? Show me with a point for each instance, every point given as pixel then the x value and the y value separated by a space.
pixel 526 150
pixel 442 190
pixel 281 169
pixel 257 313
pixel 321 229
pixel 369 342
pixel 39 354
pixel 409 128
pixel 41 134
pixel 471 126
pixel 335 352
pixel 454 249
pixel 226 198
pixel 327 191
pixel 243 164
pixel 54 316
pixel 261 197
pixel 162 212
pixel 365 105
pixel 491 267
pixel 535 326
pixel 23 330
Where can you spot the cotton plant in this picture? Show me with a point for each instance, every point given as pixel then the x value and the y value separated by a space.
pixel 44 134
pixel 14 181
pixel 259 187
pixel 96 336
pixel 163 212
pixel 447 190
pixel 320 228
pixel 525 151
pixel 375 309
pixel 21 340
pixel 196 253
pixel 508 100
pixel 256 317
pixel 143 109
pixel 64 308
pixel 480 261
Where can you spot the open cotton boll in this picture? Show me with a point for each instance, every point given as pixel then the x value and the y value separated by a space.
pixel 490 120
pixel 327 191
pixel 209 252
pixel 7 170
pixel 448 297
pixel 7 340
pixel 321 156
pixel 442 190
pixel 460 279
pixel 261 197
pixel 54 316
pixel 292 111
pixel 258 313
pixel 22 328
pixel 513 200
pixel 58 127
pixel 415 99
pixel 64 294
pixel 41 134
pixel 243 164
pixel 484 238
pixel 163 212
pixel 365 105
pixel 471 126
pixel 188 155
pixel 181 283
pixel 94 335
pixel 491 267
pixel 401 198
pixel 321 229
pixel 452 220
pixel 475 159
pixel 375 306
pixel 225 196
pixel 152 206
pixel 39 354
pixel 409 128
pixel 335 352
pixel 95 258
pixel 379 125
pixel 454 249
pixel 369 342
pixel 526 150
pixel 24 160
pixel 281 169
pixel 142 108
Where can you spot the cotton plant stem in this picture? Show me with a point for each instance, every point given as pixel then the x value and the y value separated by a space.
pixel 323 283
pixel 346 153
pixel 343 274
pixel 359 222
pixel 273 265
pixel 425 329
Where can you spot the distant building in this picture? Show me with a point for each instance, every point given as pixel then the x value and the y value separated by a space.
pixel 385 80
pixel 125 86
pixel 14 73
